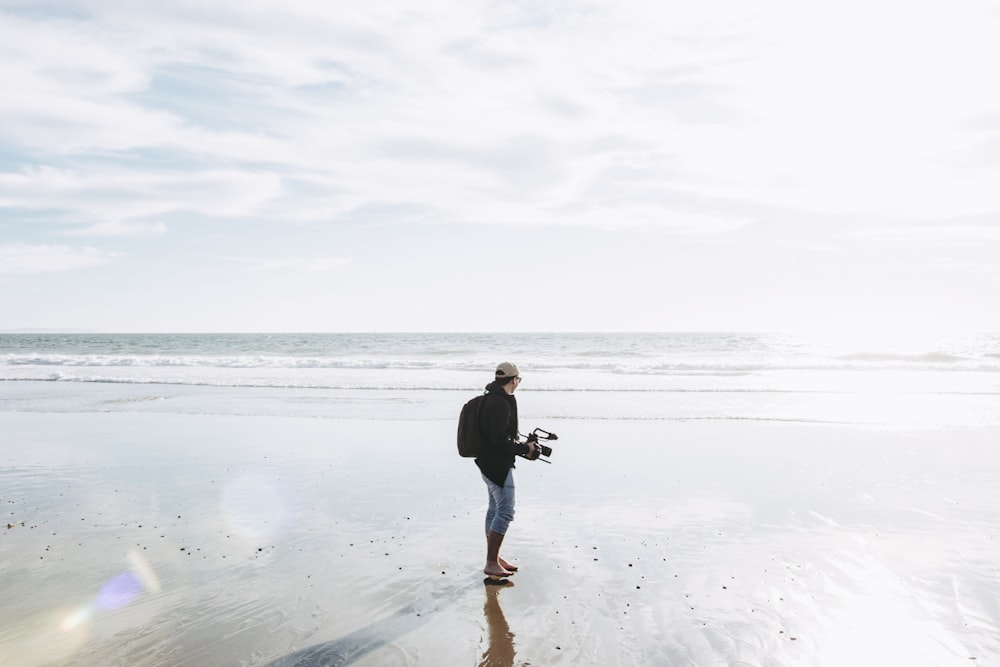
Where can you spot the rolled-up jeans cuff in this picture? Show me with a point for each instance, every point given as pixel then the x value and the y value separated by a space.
pixel 501 508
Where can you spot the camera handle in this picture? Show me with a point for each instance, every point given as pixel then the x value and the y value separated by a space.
pixel 538 459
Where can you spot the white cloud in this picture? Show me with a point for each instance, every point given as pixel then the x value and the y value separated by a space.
pixel 957 232
pixel 124 194
pixel 123 228
pixel 24 259
pixel 480 112
pixel 287 265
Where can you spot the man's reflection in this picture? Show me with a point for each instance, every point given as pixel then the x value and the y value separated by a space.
pixel 500 649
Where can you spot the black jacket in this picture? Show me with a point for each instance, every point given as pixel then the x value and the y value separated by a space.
pixel 498 423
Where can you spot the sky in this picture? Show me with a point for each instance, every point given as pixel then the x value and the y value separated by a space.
pixel 223 165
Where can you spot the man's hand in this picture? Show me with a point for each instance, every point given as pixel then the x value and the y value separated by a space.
pixel 533 451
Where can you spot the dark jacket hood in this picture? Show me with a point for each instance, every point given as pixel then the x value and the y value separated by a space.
pixel 494 386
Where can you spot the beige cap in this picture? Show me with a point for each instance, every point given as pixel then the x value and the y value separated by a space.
pixel 507 370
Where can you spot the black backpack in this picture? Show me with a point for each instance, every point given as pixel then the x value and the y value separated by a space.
pixel 470 438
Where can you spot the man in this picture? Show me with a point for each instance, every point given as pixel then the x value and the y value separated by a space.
pixel 498 423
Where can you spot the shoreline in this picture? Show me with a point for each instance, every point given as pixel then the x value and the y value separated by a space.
pixel 878 407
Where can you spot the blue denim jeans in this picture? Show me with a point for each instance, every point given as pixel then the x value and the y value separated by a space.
pixel 501 509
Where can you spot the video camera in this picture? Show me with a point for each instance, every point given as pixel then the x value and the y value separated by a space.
pixel 540 449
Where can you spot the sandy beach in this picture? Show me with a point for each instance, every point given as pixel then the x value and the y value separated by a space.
pixel 163 539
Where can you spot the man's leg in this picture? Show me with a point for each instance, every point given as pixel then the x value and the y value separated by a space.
pixel 508 494
pixel 491 510
pixel 503 500
pixel 493 567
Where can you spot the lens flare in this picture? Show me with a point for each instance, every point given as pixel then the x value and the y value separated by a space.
pixel 117 592
pixel 76 619
pixel 144 572
pixel 255 506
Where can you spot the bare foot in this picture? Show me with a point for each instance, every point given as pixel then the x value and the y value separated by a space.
pixel 507 566
pixel 495 570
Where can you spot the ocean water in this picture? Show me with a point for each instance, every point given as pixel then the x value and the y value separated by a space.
pixel 891 379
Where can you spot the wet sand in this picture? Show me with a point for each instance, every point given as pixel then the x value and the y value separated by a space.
pixel 161 539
